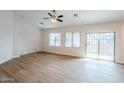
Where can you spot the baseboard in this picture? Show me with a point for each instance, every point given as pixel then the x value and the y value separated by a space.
pixel 61 54
pixel 6 60
pixel 32 53
pixel 16 57
pixel 119 62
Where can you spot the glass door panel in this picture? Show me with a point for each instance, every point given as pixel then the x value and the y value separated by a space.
pixel 100 45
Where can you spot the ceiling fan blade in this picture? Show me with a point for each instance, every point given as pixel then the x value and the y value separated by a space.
pixel 46 18
pixel 59 20
pixel 50 14
pixel 54 11
pixel 60 16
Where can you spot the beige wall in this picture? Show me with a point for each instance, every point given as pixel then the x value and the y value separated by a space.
pixel 117 27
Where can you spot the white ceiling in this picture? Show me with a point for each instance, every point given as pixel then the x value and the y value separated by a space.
pixel 85 17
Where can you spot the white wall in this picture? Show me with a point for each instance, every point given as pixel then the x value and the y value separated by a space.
pixel 17 36
pixel 27 38
pixel 6 32
pixel 117 27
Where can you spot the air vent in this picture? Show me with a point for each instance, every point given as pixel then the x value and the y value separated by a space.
pixel 75 15
pixel 42 23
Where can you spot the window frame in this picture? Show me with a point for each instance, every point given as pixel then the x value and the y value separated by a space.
pixel 72 43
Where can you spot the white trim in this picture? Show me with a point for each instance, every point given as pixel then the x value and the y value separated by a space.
pixel 120 61
pixel 6 60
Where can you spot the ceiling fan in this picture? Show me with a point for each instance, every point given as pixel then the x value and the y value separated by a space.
pixel 54 18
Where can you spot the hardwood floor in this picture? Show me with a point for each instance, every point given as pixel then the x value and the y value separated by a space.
pixel 48 68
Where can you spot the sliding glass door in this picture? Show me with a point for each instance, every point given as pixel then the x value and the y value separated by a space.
pixel 100 46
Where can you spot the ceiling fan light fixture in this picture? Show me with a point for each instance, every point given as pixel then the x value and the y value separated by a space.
pixel 53 20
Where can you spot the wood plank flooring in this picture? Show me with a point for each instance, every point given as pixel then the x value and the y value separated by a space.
pixel 53 68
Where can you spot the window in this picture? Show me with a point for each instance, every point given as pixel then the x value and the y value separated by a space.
pixel 55 39
pixel 72 39
pixel 68 41
pixel 76 39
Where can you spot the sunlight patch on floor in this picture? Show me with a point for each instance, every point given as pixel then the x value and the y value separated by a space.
pixel 96 60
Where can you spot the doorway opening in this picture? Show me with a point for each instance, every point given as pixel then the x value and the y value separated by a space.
pixel 100 45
